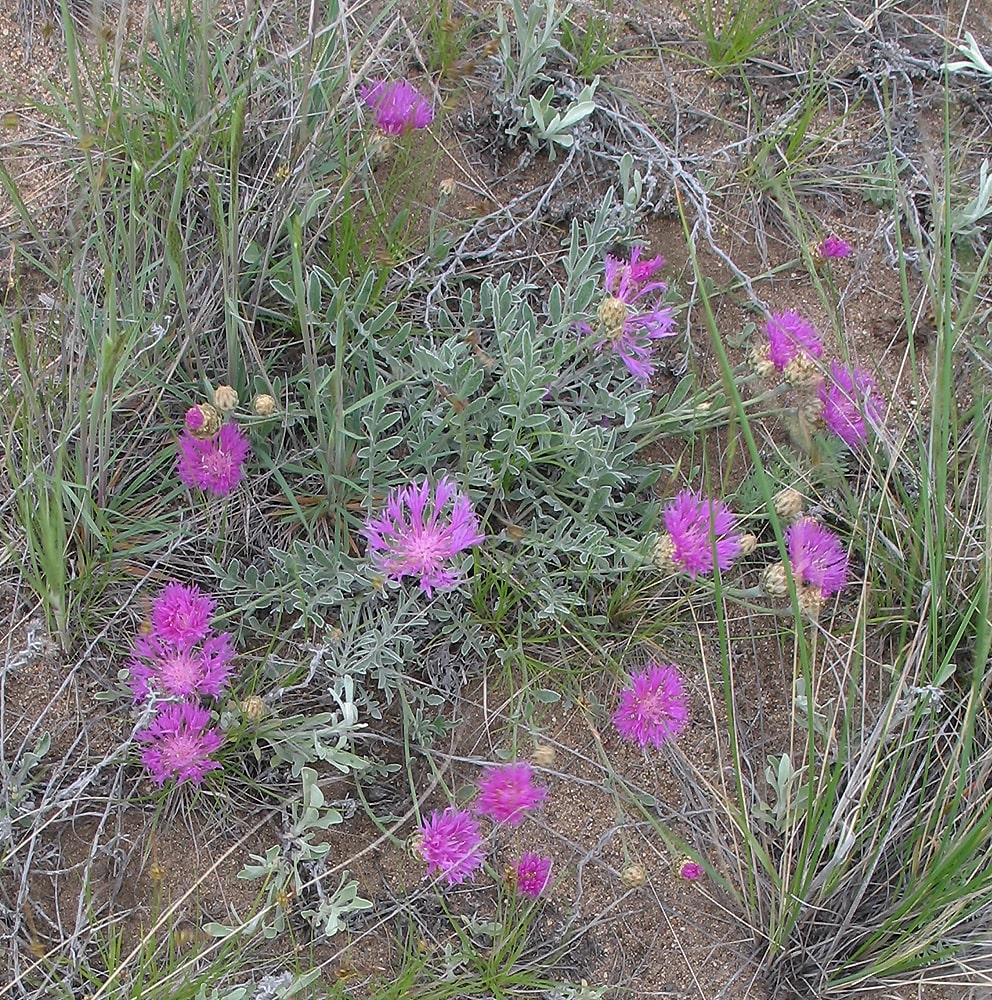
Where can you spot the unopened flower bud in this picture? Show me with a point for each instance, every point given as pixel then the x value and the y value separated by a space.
pixel 802 371
pixel 663 555
pixel 381 148
pixel 264 405
pixel 811 601
pixel 788 503
pixel 203 421
pixel 225 399
pixel 748 543
pixel 447 187
pixel 687 868
pixel 774 581
pixel 543 755
pixel 611 313
pixel 253 708
pixel 760 360
pixel 634 876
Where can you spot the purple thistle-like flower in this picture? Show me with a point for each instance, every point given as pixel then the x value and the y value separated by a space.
pixel 789 335
pixel 506 793
pixel 691 870
pixel 182 614
pixel 533 875
pixel 816 555
pixel 194 418
pixel 694 523
pixel 398 106
pixel 833 247
pixel 631 326
pixel 180 744
pixel 180 671
pixel 214 464
pixel 654 709
pixel 414 538
pixel 451 844
pixel 847 399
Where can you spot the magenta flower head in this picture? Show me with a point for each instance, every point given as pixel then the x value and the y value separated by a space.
pixel 181 615
pixel 194 419
pixel 688 869
pixel 180 744
pixel 397 106
pixel 180 671
pixel 833 248
pixel 506 793
pixel 789 335
pixel 632 316
pixel 847 399
pixel 451 844
pixel 417 536
pixel 655 708
pixel 696 527
pixel 816 555
pixel 533 875
pixel 215 463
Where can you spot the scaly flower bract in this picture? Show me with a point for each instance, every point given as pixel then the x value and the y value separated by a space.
pixel 182 614
pixel 180 671
pixel 694 523
pixel 816 556
pixel 655 708
pixel 789 335
pixel 628 325
pixel 180 743
pixel 506 793
pixel 415 537
pixel 451 844
pixel 215 463
pixel 533 875
pixel 398 106
pixel 847 399
pixel 833 247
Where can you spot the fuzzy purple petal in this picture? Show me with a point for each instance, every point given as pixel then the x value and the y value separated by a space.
pixel 397 106
pixel 533 875
pixel 847 398
pixel 693 523
pixel 816 556
pixel 507 794
pixel 182 614
pixel 654 709
pixel 180 744
pixel 452 845
pixel 213 465
pixel 790 335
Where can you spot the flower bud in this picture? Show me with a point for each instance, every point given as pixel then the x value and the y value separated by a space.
pixel 788 503
pixel 688 868
pixel 663 555
pixel 774 581
pixel 225 399
pixel 543 755
pixel 748 543
pixel 253 708
pixel 447 187
pixel 802 371
pixel 760 360
pixel 634 876
pixel 203 421
pixel 264 405
pixel 611 313
pixel 811 601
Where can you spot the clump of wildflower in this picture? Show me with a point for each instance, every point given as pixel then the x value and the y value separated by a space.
pixel 833 248
pixel 507 794
pixel 213 464
pixel 655 708
pixel 847 399
pixel 397 106
pixel 416 537
pixel 696 527
pixel 629 322
pixel 533 875
pixel 451 844
pixel 790 336
pixel 180 743
pixel 685 867
pixel 816 556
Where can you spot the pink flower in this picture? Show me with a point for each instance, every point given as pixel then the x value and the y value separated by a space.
pixel 691 870
pixel 847 399
pixel 194 418
pixel 164 668
pixel 414 538
pixel 214 464
pixel 833 247
pixel 628 325
pixel 696 525
pixel 182 614
pixel 816 555
pixel 180 744
pixel 398 106
pixel 533 875
pixel 451 845
pixel 506 793
pixel 654 709
pixel 789 335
